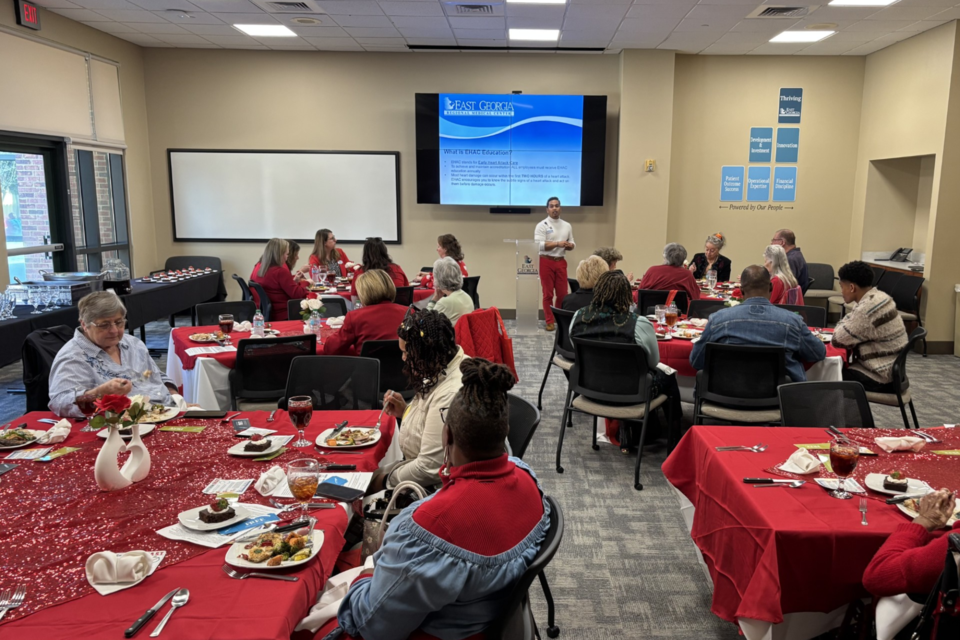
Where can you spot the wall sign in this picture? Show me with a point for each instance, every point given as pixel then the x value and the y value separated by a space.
pixel 791 103
pixel 28 15
pixel 761 144
pixel 731 184
pixel 788 144
pixel 758 184
pixel 785 184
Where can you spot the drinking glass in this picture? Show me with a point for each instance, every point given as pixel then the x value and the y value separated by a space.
pixel 3 306
pixel 87 403
pixel 226 325
pixel 843 459
pixel 661 313
pixel 34 298
pixel 712 279
pixel 300 410
pixel 46 295
pixel 303 476
pixel 671 315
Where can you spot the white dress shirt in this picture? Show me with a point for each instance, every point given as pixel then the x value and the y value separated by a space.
pixel 550 230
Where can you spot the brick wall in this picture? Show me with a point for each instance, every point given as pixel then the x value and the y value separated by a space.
pixel 101 172
pixel 34 217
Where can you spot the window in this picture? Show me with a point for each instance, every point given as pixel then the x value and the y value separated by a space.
pixel 98 208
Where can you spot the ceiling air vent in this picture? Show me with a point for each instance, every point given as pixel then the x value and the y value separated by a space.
pixel 288 6
pixel 472 8
pixel 778 11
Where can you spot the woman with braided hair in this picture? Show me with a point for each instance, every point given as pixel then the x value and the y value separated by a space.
pixel 448 563
pixel 432 365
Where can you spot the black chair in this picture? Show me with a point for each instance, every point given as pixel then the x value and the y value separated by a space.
pixel 470 285
pixel 902 396
pixel 174 263
pixel 333 307
pixel 517 621
pixel 906 294
pixel 426 269
pixel 38 352
pixel 705 308
pixel 647 299
pixel 336 383
pixel 888 283
pixel 404 296
pixel 611 380
pixel 738 384
pixel 392 377
pixel 524 419
pixel 244 289
pixel 812 316
pixel 574 284
pixel 825 404
pixel 878 274
pixel 562 355
pixel 261 296
pixel 262 366
pixel 208 313
pixel 823 276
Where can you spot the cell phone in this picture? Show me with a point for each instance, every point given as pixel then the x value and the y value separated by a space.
pixel 337 492
pixel 240 424
pixel 204 414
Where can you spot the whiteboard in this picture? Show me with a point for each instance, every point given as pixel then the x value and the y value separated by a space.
pixel 252 196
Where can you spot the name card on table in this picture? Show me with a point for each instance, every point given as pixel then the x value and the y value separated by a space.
pixel 201 351
pixel 184 429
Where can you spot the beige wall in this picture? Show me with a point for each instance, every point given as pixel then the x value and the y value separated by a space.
pixel 891 207
pixel 363 101
pixel 924 195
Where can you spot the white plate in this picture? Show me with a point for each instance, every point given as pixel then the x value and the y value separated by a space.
pixel 237 449
pixel 35 433
pixel 913 514
pixel 191 520
pixel 144 430
pixel 322 439
pixel 233 555
pixel 169 414
pixel 664 338
pixel 875 481
pixel 208 340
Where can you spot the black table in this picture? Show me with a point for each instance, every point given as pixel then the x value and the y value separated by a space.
pixel 14 332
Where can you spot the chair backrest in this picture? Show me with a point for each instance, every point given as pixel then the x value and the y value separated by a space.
pixel 335 306
pixel 889 282
pixel 812 316
pixel 825 404
pixel 504 628
pixel 244 289
pixel 562 342
pixel 611 372
pixel 388 353
pixel 200 262
pixel 524 419
pixel 426 269
pixel 263 301
pixel 742 375
pixel 574 284
pixel 208 313
pixel 704 308
pixel 470 285
pixel 38 353
pixel 648 298
pixel 900 364
pixel 906 293
pixel 878 273
pixel 822 274
pixel 293 309
pixel 336 383
pixel 263 363
pixel 404 296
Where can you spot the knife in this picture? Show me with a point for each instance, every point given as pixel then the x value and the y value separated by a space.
pixel 337 429
pixel 904 498
pixel 145 618
pixel 764 481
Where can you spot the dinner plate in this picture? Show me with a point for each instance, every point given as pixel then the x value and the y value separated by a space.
pixel 36 436
pixel 665 338
pixel 191 520
pixel 144 430
pixel 237 449
pixel 203 338
pixel 913 513
pixel 169 414
pixel 875 481
pixel 693 335
pixel 234 551
pixel 322 439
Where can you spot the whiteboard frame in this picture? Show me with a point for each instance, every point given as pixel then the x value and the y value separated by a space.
pixel 173 212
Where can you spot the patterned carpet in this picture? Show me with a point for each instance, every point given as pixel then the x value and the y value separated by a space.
pixel 627 567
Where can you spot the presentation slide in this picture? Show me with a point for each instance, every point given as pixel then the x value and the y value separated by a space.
pixel 510 149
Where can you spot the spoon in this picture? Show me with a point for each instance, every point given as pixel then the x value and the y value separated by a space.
pixel 178 601
pixel 792 485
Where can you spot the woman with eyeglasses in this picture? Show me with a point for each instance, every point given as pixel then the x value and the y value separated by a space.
pixel 101 359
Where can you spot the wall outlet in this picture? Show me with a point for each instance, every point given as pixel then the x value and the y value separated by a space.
pixel 650 166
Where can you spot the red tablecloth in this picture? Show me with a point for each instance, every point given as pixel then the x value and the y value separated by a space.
pixel 419 294
pixel 776 551
pixel 54 517
pixel 182 341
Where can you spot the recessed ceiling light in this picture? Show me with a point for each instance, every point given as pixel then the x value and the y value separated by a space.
pixel 801 36
pixel 535 34
pixel 266 30
pixel 537 1
pixel 862 3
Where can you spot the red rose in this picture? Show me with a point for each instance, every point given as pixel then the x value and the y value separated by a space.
pixel 115 404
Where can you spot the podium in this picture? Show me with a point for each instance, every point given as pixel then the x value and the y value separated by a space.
pixel 529 295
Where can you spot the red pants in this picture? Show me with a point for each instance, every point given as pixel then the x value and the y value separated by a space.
pixel 553 280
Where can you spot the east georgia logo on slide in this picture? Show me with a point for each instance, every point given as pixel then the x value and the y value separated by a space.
pixel 448 104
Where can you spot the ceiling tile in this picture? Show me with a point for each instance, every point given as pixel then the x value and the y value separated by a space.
pixel 517 22
pixel 246 18
pixel 530 51
pixel 351 7
pixel 672 11
pixel 112 27
pixel 694 25
pixel 480 34
pixel 930 3
pixel 638 25
pixel 157 27
pixel 727 50
pixel 687 42
pixel 854 37
pixel 306 46
pixel 923 25
pixel 535 10
pixel 233 41
pixel 827 48
pixel 772 26
pixel 477 23
pixel 867 49
pixel 411 8
pixel 57 4
pixel 593 11
pixel 387 48
pixel 334 43
pixel 813 19
pixel 211 29
pixel 479 42
pixel 227 6
pixel 838 14
pixel 779 48
pixel 82 15
pixel 415 32
pixel 372 32
pixel 597 2
pixel 362 21
pixel 130 15
pixel 905 13
pixel 879 26
pixel 106 4
pixel 637 41
pixel 382 41
pixel 949 14
pixel 433 42
pixel 742 39
pixel 320 31
pixel 178 39
pixel 163 5
pixel 142 39
pixel 194 17
pixel 420 23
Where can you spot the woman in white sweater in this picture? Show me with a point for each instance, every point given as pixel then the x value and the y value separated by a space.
pixel 449 298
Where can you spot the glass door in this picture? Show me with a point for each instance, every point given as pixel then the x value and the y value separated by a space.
pixel 26 214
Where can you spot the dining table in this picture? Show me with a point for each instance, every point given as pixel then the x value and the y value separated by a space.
pixel 786 562
pixel 55 517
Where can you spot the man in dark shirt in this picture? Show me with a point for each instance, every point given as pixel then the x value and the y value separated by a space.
pixel 798 264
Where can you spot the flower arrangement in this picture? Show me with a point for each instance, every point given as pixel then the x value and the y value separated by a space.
pixel 308 306
pixel 736 297
pixel 119 410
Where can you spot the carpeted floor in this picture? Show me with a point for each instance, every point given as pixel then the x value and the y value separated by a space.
pixel 626 567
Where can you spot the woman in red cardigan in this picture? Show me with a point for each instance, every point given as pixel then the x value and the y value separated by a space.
pixel 273 274
pixel 327 253
pixel 447 247
pixel 671 275
pixel 377 319
pixel 375 256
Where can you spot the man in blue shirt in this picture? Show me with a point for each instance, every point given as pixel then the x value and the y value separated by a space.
pixel 756 322
pixel 798 264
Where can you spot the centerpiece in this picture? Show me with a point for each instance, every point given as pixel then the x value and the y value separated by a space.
pixel 118 412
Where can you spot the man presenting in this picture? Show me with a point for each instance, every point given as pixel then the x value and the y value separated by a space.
pixel 556 238
pixel 798 264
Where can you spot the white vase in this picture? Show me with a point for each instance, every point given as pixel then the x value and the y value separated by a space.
pixel 105 471
pixel 137 465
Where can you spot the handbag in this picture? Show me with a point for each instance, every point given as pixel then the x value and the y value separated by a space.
pixel 375 527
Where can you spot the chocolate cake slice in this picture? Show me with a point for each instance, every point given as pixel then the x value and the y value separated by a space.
pixel 260 445
pixel 896 481
pixel 219 511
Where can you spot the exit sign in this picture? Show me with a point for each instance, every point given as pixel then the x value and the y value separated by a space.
pixel 28 15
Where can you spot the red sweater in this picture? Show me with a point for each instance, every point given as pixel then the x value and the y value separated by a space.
pixel 394 271
pixel 280 286
pixel 314 260
pixel 376 322
pixel 910 561
pixel 667 278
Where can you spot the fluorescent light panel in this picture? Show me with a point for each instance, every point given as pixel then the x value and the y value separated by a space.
pixel 540 35
pixel 862 3
pixel 801 36
pixel 537 1
pixel 266 30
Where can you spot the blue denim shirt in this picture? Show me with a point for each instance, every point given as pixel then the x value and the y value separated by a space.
pixel 423 582
pixel 756 322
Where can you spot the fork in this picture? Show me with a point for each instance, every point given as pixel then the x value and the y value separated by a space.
pixel 863 511
pixel 13 602
pixel 236 575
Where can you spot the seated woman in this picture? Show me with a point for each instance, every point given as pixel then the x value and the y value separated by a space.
pixel 588 271
pixel 273 274
pixel 786 289
pixel 672 275
pixel 432 366
pixel 327 253
pixel 294 257
pixel 375 256
pixel 612 257
pixel 447 247
pixel 448 563
pixel 377 319
pixel 101 359
pixel 609 318
pixel 711 260
pixel 873 331
pixel 449 298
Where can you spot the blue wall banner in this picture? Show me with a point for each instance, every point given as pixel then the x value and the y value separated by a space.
pixel 731 184
pixel 785 184
pixel 791 102
pixel 788 144
pixel 758 184
pixel 761 144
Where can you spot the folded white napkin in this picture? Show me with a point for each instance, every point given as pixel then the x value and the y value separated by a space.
pixel 107 568
pixel 329 601
pixel 801 462
pixel 335 323
pixel 57 433
pixel 351 265
pixel 181 403
pixel 893 613
pixel 243 327
pixel 667 370
pixel 269 480
pixel 906 443
pixel 698 322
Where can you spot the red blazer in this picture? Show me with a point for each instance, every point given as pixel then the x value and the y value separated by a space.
pixel 314 260
pixel 666 278
pixel 376 322
pixel 280 287
pixel 395 272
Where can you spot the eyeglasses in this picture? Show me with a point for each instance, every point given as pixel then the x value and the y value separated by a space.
pixel 103 326
pixel 443 414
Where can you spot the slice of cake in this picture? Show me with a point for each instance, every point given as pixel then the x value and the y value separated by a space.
pixel 257 443
pixel 219 511
pixel 895 481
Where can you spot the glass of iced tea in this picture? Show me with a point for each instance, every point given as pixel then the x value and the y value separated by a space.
pixel 226 325
pixel 87 403
pixel 300 410
pixel 671 315
pixel 303 476
pixel 843 459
